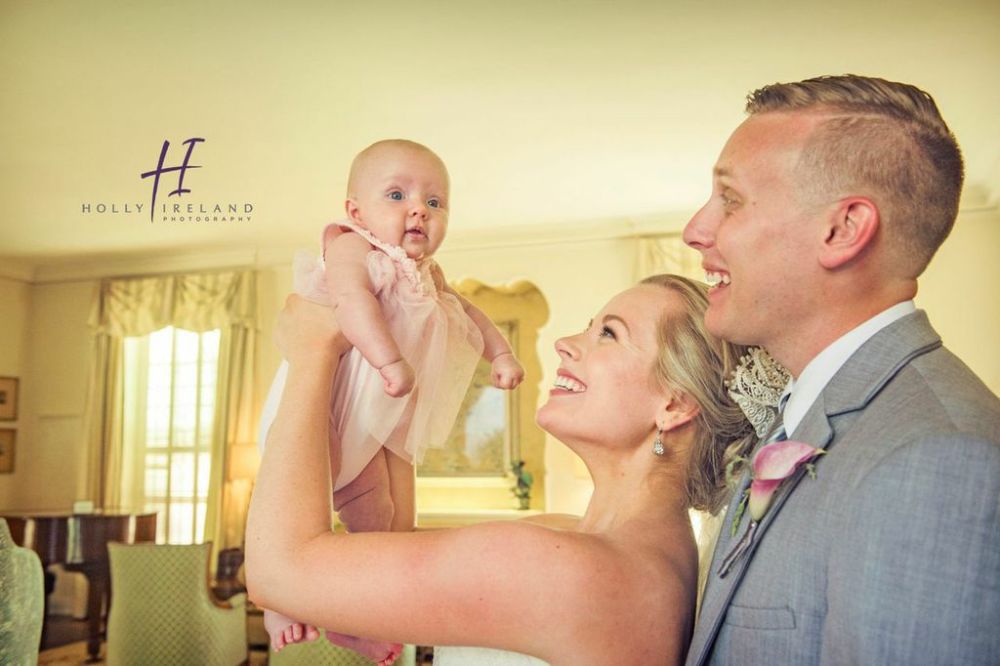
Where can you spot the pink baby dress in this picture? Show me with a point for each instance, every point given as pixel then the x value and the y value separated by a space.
pixel 434 335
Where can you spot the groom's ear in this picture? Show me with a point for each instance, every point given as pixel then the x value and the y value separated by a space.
pixel 849 232
pixel 677 411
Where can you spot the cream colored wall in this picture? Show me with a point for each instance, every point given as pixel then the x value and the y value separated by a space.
pixel 959 292
pixel 52 456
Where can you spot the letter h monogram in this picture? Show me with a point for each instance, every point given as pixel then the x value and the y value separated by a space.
pixel 160 169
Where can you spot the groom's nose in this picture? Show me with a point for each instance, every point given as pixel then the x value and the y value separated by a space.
pixel 699 232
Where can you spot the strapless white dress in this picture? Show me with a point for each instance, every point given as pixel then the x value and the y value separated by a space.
pixel 474 656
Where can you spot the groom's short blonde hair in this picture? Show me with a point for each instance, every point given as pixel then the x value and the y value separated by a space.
pixel 884 140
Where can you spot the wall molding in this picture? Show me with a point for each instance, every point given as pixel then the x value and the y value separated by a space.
pixel 95 267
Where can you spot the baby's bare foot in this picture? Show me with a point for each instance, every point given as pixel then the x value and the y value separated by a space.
pixel 285 631
pixel 383 654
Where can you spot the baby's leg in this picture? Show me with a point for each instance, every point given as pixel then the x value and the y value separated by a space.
pixel 402 488
pixel 365 504
pixel 368 503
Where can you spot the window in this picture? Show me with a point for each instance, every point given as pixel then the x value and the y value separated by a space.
pixel 169 414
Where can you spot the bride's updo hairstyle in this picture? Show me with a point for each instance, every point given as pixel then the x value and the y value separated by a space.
pixel 694 363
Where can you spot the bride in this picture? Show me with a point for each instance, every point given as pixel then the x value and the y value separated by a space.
pixel 639 397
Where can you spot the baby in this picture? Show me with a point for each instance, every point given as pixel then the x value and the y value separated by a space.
pixel 416 345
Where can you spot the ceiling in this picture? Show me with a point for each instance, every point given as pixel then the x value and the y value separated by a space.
pixel 547 113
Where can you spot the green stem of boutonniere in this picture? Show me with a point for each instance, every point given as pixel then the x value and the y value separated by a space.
pixel 738 514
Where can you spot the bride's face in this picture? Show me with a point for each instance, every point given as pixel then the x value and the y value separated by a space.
pixel 605 391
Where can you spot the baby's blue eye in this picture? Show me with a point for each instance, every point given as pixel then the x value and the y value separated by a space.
pixel 434 203
pixel 606 332
pixel 396 195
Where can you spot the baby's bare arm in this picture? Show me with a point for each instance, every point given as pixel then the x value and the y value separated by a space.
pixel 357 309
pixel 494 344
pixel 506 372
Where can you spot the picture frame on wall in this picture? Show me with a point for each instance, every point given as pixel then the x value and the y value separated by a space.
pixel 8 436
pixel 8 398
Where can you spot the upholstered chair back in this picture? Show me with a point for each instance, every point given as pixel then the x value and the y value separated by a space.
pixel 163 613
pixel 22 600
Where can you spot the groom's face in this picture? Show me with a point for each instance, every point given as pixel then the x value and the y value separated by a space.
pixel 755 233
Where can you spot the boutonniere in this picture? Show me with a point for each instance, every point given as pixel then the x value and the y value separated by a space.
pixel 771 466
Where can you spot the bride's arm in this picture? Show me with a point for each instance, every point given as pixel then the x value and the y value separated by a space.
pixel 510 585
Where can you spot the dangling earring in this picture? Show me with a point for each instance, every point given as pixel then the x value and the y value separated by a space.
pixel 658 444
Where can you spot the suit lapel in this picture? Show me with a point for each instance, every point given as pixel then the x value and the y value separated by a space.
pixel 719 591
pixel 851 389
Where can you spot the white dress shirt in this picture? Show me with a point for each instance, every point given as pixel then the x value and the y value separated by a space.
pixel 807 387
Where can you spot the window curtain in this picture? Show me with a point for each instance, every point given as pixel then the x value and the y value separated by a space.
pixel 197 302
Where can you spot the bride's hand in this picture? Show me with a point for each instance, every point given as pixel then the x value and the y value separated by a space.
pixel 307 331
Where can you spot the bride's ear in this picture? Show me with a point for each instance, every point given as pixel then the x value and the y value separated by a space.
pixel 678 410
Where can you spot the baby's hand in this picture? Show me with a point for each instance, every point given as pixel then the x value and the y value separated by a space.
pixel 507 372
pixel 398 377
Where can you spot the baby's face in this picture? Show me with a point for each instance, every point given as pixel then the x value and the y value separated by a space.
pixel 400 194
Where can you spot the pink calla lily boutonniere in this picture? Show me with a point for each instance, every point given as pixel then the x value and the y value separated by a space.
pixel 770 467
pixel 772 464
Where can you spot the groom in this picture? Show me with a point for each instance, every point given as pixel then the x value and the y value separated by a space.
pixel 827 203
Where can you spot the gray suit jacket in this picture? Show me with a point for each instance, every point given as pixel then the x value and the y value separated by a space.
pixel 892 554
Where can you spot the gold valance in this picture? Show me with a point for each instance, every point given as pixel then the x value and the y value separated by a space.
pixel 196 302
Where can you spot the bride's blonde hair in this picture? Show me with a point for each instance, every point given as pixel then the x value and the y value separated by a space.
pixel 693 362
